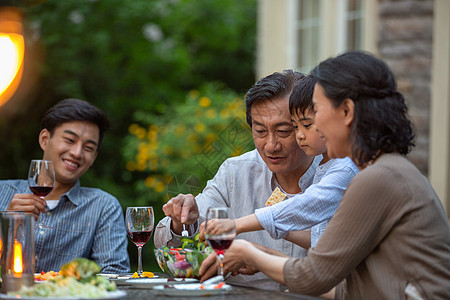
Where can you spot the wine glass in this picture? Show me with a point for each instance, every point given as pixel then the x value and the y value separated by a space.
pixel 139 222
pixel 41 180
pixel 220 231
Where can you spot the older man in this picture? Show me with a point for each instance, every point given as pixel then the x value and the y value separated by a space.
pixel 245 182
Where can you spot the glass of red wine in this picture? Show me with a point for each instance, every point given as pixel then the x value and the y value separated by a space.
pixel 220 231
pixel 139 222
pixel 41 180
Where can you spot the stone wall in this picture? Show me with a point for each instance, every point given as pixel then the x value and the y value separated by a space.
pixel 405 44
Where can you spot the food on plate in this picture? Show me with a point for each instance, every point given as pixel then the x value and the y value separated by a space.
pixel 218 286
pixel 44 276
pixel 143 275
pixel 76 278
pixel 277 196
pixel 183 262
pixel 80 268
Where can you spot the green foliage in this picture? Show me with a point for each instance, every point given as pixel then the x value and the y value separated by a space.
pixel 136 60
pixel 183 148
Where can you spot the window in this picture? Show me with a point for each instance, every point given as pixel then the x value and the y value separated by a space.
pixel 324 28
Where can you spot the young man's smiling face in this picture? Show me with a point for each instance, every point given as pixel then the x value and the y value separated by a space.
pixel 274 136
pixel 72 147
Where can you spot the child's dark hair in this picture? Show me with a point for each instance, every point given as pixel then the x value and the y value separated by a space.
pixel 300 100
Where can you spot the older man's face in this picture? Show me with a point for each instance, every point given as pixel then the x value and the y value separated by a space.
pixel 274 136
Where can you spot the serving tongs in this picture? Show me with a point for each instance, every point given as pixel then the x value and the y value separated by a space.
pixel 184 232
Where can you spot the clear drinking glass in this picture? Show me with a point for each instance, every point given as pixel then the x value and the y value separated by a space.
pixel 41 180
pixel 220 231
pixel 139 222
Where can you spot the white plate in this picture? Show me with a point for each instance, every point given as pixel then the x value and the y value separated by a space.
pixel 111 295
pixel 193 289
pixel 120 279
pixel 146 283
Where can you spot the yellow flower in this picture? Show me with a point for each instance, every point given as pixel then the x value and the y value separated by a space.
pixel 167 178
pixel 165 163
pixel 211 113
pixel 160 187
pixel 140 133
pixel 140 166
pixel 150 181
pixel 200 127
pixel 168 150
pixel 153 164
pixel 224 114
pixel 142 146
pixel 192 138
pixel 133 128
pixel 152 147
pixel 197 148
pixel 152 135
pixel 194 94
pixel 204 102
pixel 131 166
pixel 179 131
pixel 211 137
pixel 135 275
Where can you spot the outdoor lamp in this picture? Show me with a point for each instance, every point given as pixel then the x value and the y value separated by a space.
pixel 17 251
pixel 12 48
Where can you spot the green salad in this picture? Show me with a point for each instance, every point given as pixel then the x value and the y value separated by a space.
pixel 183 262
pixel 77 278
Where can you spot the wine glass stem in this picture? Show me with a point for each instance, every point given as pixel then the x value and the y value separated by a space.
pixel 220 257
pixel 139 270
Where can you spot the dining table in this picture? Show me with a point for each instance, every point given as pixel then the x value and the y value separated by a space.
pixel 235 292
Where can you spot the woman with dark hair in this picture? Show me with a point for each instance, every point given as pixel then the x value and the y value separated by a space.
pixel 390 237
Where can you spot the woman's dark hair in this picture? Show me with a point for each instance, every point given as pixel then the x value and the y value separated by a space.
pixel 69 110
pixel 381 123
pixel 300 100
pixel 274 86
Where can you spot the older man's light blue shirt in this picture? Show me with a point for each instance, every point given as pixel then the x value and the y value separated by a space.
pixel 87 222
pixel 313 208
pixel 242 183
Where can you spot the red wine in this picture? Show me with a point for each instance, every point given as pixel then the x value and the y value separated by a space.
pixel 41 191
pixel 139 238
pixel 220 245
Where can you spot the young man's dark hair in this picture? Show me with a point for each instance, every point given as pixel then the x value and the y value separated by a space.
pixel 69 110
pixel 274 86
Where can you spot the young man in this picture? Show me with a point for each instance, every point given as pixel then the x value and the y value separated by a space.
pixel 86 222
pixel 245 182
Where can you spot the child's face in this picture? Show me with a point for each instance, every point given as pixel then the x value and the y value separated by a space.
pixel 308 139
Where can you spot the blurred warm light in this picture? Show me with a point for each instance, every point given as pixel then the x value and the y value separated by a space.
pixel 18 258
pixel 12 48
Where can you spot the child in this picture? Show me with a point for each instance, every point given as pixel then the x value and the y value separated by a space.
pixel 317 204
